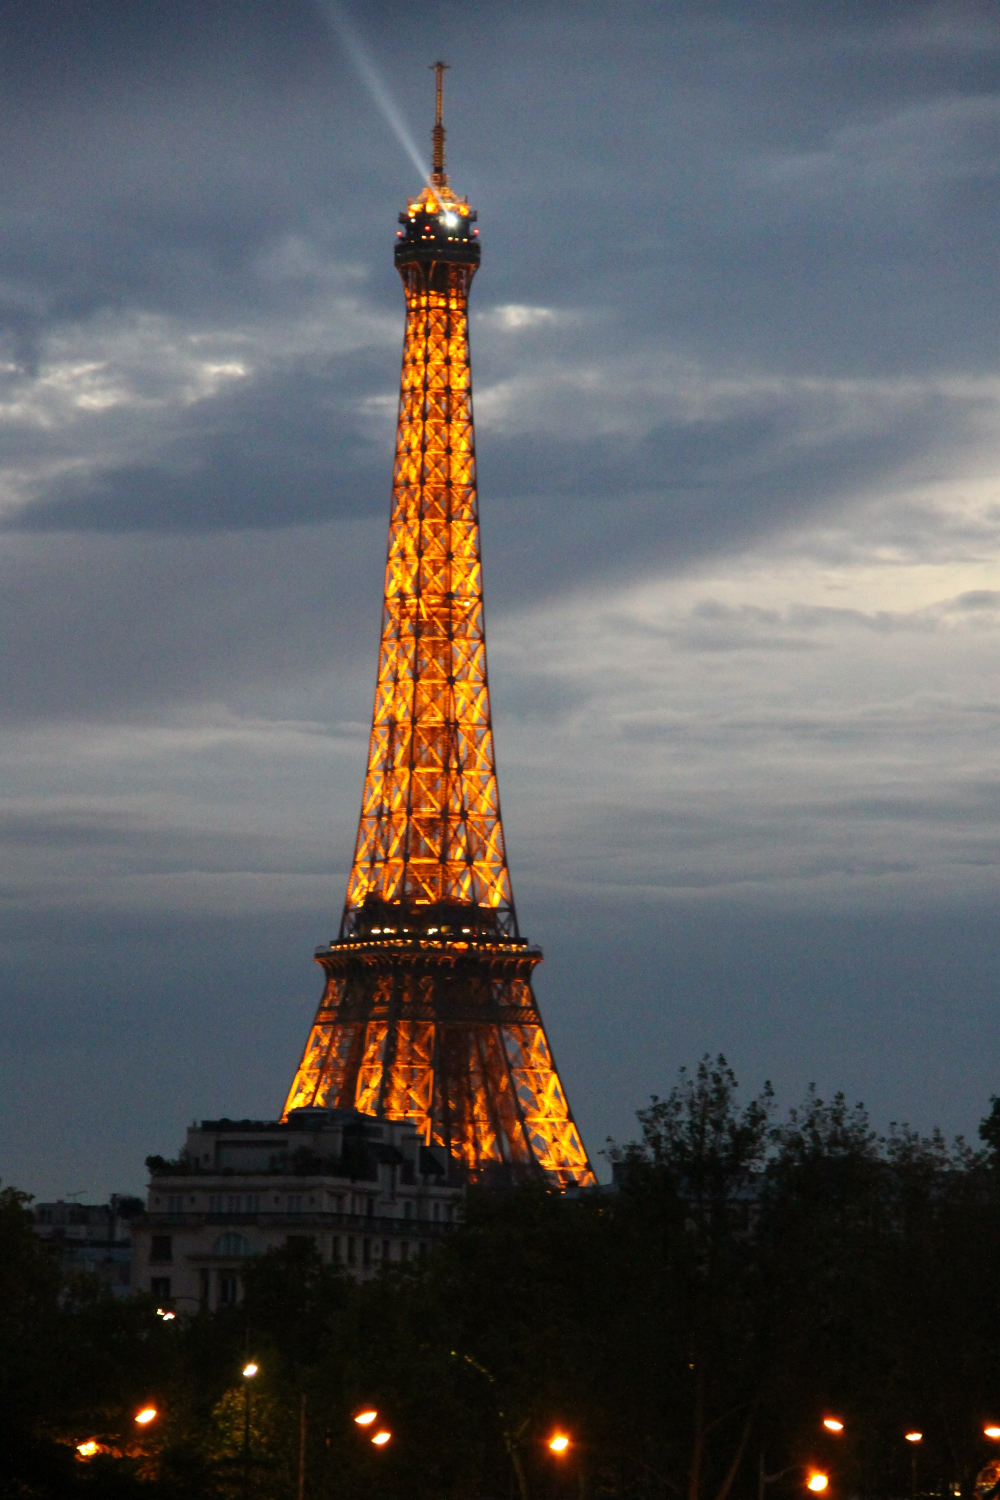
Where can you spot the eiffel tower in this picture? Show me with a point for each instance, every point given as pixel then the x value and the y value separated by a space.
pixel 428 1013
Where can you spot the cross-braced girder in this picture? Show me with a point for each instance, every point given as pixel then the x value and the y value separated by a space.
pixel 430 827
pixel 428 1013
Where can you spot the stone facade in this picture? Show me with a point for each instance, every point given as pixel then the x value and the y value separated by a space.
pixel 91 1237
pixel 367 1192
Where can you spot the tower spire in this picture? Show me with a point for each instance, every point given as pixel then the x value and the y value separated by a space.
pixel 428 1013
pixel 438 174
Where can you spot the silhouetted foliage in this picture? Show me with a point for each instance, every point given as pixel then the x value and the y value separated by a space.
pixel 689 1330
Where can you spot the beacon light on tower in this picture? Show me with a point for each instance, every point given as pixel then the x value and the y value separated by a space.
pixel 428 1013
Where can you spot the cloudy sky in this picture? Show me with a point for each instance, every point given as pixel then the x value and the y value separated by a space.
pixel 737 386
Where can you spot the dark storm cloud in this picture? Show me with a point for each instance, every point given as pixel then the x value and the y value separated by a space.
pixel 737 310
pixel 95 627
pixel 809 190
pixel 286 452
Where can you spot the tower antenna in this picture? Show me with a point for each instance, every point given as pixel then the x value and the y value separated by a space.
pixel 438 175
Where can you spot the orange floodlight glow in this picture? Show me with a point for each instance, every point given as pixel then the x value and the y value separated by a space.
pixel 165 1314
pixel 914 1437
pixel 381 1438
pixel 250 1370
pixel 146 1415
pixel 991 1432
pixel 366 1418
pixel 817 1482
pixel 833 1424
pixel 430 843
pixel 87 1449
pixel 559 1443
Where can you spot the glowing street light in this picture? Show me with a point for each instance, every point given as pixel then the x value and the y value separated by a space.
pixel 817 1482
pixel 146 1415
pixel 166 1314
pixel 381 1438
pixel 366 1418
pixel 87 1449
pixel 991 1432
pixel 913 1437
pixel 559 1443
pixel 833 1424
pixel 250 1370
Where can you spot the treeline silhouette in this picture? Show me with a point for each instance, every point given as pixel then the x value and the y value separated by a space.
pixel 688 1330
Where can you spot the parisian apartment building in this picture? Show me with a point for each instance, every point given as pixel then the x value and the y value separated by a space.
pixel 91 1238
pixel 366 1192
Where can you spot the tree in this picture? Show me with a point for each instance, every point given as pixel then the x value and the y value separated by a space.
pixel 691 1186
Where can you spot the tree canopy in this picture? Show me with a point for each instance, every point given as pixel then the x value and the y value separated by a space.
pixel 688 1330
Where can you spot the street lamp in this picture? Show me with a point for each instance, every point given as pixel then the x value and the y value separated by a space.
pixel 991 1432
pixel 915 1438
pixel 816 1480
pixel 833 1424
pixel 559 1443
pixel 365 1418
pixel 249 1371
pixel 167 1312
pixel 145 1416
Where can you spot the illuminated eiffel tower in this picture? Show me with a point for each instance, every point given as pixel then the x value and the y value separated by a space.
pixel 428 1013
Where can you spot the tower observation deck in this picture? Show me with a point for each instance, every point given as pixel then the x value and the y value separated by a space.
pixel 428 1013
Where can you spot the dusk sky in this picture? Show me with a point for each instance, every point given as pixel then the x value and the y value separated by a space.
pixel 737 395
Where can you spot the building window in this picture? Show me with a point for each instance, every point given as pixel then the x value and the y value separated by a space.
pixel 253 1203
pixel 366 1251
pixel 175 1204
pixel 423 1248
pixel 335 1249
pixel 338 1204
pixel 234 1204
pixel 229 1285
pixel 203 1288
pixel 232 1244
pixel 386 1250
pixel 437 1212
pixel 404 1251
pixel 215 1203
pixel 159 1287
pixel 371 1207
pixel 407 1209
pixel 295 1203
pixel 352 1251
pixel 161 1247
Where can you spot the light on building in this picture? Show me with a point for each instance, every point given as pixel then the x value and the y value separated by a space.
pixel 559 1443
pixel 914 1437
pixel 146 1415
pixel 250 1369
pixel 817 1482
pixel 991 1432
pixel 366 1418
pixel 87 1449
pixel 833 1424
pixel 381 1438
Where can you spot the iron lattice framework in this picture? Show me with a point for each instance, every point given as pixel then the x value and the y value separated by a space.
pixel 428 1012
